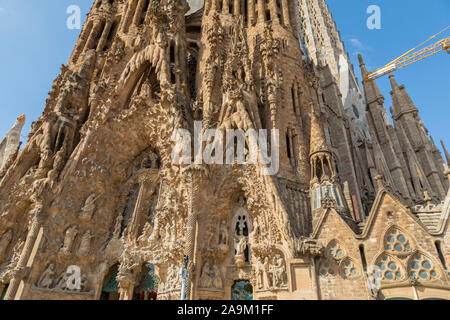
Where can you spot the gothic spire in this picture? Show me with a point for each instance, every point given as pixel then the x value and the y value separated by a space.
pixel 400 98
pixel 371 88
pixel 447 155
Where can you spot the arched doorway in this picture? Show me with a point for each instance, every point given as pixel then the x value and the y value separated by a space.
pixel 242 290
pixel 147 284
pixel 110 289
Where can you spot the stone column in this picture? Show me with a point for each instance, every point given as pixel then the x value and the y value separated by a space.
pixel 138 12
pixel 226 6
pixel 261 11
pixel 251 12
pixel 94 32
pixel 274 11
pixel 285 8
pixel 104 36
pixel 193 175
pixel 237 7
pixel 19 271
pixel 129 15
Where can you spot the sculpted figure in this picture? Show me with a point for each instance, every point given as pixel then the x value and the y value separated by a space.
pixel 266 272
pixel 223 233
pixel 206 281
pixel 254 236
pixel 89 207
pixel 279 270
pixel 62 281
pixel 5 240
pixel 46 279
pixel 240 247
pixel 85 243
pixel 69 237
pixel 217 278
pixel 259 273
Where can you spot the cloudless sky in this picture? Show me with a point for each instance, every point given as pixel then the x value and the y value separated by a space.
pixel 35 42
pixel 404 25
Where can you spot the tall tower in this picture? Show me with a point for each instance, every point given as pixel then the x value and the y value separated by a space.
pixel 323 45
pixel 98 189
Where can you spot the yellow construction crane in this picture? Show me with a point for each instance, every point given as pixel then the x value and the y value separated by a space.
pixel 412 56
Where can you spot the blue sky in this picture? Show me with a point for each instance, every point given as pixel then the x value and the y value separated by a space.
pixel 35 43
pixel 404 24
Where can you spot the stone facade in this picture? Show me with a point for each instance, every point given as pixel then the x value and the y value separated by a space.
pixel 95 187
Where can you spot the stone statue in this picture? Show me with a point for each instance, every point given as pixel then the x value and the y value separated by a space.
pixel 61 284
pixel 255 234
pixel 259 273
pixel 85 243
pixel 240 247
pixel 279 271
pixel 223 233
pixel 218 283
pixel 266 272
pixel 88 209
pixel 69 237
pixel 46 279
pixel 206 281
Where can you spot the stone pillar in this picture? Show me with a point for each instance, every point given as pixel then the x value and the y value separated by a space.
pixel 19 271
pixel 94 32
pixel 226 6
pixel 274 11
pixel 129 15
pixel 193 176
pixel 261 11
pixel 251 12
pixel 138 12
pixel 104 37
pixel 285 8
pixel 237 7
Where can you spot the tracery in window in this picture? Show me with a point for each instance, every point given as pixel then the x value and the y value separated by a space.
pixel 397 242
pixel 335 250
pixel 390 268
pixel 422 268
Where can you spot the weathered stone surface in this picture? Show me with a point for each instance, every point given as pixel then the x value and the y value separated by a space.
pixel 94 207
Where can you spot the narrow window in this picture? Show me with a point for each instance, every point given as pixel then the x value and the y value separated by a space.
pixel 288 145
pixel 363 257
pixel 293 100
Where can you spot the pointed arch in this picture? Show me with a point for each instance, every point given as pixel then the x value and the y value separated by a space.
pixel 335 250
pixel 349 269
pixel 423 267
pixel 397 241
pixel 390 267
